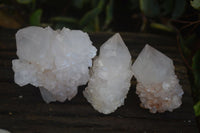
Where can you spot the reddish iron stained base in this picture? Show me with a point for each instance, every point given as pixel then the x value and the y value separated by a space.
pixel 156 99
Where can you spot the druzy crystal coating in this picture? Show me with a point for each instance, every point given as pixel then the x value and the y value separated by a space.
pixel 110 76
pixel 55 61
pixel 158 87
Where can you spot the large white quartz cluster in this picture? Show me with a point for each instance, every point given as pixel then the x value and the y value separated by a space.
pixel 158 86
pixel 110 76
pixel 55 61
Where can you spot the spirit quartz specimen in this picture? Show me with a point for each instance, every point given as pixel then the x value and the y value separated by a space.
pixel 55 61
pixel 158 87
pixel 110 76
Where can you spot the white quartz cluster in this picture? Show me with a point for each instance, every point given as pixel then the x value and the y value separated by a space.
pixel 110 76
pixel 158 86
pixel 55 61
pixel 58 62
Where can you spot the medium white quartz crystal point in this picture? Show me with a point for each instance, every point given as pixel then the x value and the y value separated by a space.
pixel 110 76
pixel 158 87
pixel 55 61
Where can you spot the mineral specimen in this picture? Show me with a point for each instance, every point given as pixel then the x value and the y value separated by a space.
pixel 55 61
pixel 110 76
pixel 158 86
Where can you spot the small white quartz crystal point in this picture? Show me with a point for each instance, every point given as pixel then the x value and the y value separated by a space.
pixel 158 87
pixel 110 76
pixel 55 61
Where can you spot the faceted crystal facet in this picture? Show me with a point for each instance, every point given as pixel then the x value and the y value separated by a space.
pixel 110 76
pixel 55 61
pixel 158 86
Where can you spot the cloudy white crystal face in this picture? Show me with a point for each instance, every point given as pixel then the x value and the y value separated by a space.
pixel 55 61
pixel 110 76
pixel 158 86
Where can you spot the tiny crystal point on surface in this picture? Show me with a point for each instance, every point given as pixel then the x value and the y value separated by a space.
pixel 110 76
pixel 55 61
pixel 158 87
